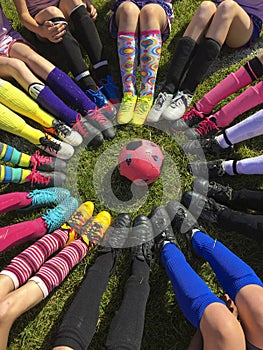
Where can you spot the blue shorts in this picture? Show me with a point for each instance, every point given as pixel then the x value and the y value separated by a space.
pixel 113 29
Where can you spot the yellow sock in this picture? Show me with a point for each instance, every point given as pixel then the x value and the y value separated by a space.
pixel 21 103
pixel 12 155
pixel 11 122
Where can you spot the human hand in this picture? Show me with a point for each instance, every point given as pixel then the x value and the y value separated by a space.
pixel 92 10
pixel 53 32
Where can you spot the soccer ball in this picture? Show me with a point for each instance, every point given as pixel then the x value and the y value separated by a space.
pixel 140 161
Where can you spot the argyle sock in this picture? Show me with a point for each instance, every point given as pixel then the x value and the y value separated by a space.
pixel 127 56
pixel 12 155
pixel 150 52
pixel 235 81
pixel 192 294
pixel 14 200
pixel 232 272
pixel 13 175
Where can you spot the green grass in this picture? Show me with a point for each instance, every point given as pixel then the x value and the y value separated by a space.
pixel 165 326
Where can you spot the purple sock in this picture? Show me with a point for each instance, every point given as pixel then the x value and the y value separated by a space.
pixel 65 87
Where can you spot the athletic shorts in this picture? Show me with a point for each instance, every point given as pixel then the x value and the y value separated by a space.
pixel 8 39
pixel 251 347
pixel 113 29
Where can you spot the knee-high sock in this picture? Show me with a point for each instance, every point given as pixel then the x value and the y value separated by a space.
pixel 127 57
pixel 13 175
pixel 248 99
pixel 13 201
pixel 19 102
pixel 12 155
pixel 192 293
pixel 150 52
pixel 87 34
pixel 14 235
pixel 86 299
pixel 207 52
pixel 65 87
pixel 29 261
pixel 232 272
pixel 246 166
pixel 182 55
pixel 11 122
pixel 126 329
pixel 235 81
pixel 55 270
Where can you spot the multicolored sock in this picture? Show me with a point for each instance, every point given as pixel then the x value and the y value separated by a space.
pixel 127 59
pixel 93 232
pixel 29 261
pixel 13 175
pixel 12 155
pixel 235 81
pixel 192 294
pixel 232 272
pixel 150 52
pixel 65 87
pixel 11 122
pixel 48 100
pixel 13 201
pixel 55 270
pixel 14 235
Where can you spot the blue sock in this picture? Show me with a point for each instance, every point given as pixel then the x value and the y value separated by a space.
pixel 232 272
pixel 192 293
pixel 65 87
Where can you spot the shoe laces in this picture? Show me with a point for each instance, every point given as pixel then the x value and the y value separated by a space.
pixel 206 126
pixel 37 159
pixel 191 114
pixel 42 197
pixel 219 189
pixel 177 101
pixel 93 233
pixel 50 143
pixel 99 97
pixel 142 107
pixel 62 129
pixel 38 178
pixel 110 86
pixel 77 220
pixel 80 127
pixel 160 101
pixel 53 218
pixel 98 116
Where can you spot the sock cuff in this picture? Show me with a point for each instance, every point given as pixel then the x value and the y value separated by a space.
pixel 41 285
pixel 254 68
pixel 82 75
pixel 235 167
pixel 226 138
pixel 11 275
pixel 75 8
pixel 126 33
pixel 150 32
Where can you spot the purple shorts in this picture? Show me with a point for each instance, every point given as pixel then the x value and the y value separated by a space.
pixel 113 29
pixel 8 39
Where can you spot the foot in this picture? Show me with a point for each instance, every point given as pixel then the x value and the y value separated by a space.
pixel 44 163
pixel 125 113
pixel 141 111
pixel 206 208
pixel 102 102
pixel 189 119
pixel 178 106
pixel 91 135
pixel 100 122
pixel 141 239
pixel 110 89
pixel 56 217
pixel 206 128
pixel 65 133
pixel 55 147
pixel 47 197
pixel 220 193
pixel 40 179
pixel 206 146
pixel 210 169
pixel 162 101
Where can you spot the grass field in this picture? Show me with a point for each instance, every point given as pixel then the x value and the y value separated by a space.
pixel 165 326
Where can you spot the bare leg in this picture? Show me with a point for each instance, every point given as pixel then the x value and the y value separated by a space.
pixel 152 17
pixel 127 17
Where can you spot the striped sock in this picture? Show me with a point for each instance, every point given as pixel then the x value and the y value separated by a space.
pixel 13 175
pixel 12 155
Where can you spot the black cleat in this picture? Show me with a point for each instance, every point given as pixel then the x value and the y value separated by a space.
pixel 207 146
pixel 220 193
pixel 209 169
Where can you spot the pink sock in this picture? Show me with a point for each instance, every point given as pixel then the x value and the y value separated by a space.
pixel 232 83
pixel 13 201
pixel 12 236
pixel 54 271
pixel 29 261
pixel 250 98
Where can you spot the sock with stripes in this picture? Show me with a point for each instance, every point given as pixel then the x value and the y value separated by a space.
pixel 13 175
pixel 12 155
pixel 150 52
pixel 232 272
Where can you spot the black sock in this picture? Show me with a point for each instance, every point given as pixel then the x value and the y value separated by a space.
pixel 87 34
pixel 207 52
pixel 181 57
pixel 254 68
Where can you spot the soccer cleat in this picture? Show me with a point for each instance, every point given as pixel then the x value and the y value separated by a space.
pixel 42 179
pixel 55 147
pixel 189 119
pixel 64 133
pixel 81 216
pixel 141 239
pixel 110 89
pixel 91 135
pixel 141 111
pixel 100 122
pixel 117 234
pixel 220 193
pixel 161 102
pixel 210 169
pixel 178 106
pixel 40 162
pixel 56 217
pixel 207 146
pixel 102 102
pixel 206 208
pixel 206 128
pixel 46 197
pixel 125 112
pixel 94 231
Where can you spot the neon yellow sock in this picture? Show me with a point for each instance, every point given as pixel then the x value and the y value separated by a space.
pixel 20 102
pixel 12 155
pixel 11 122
